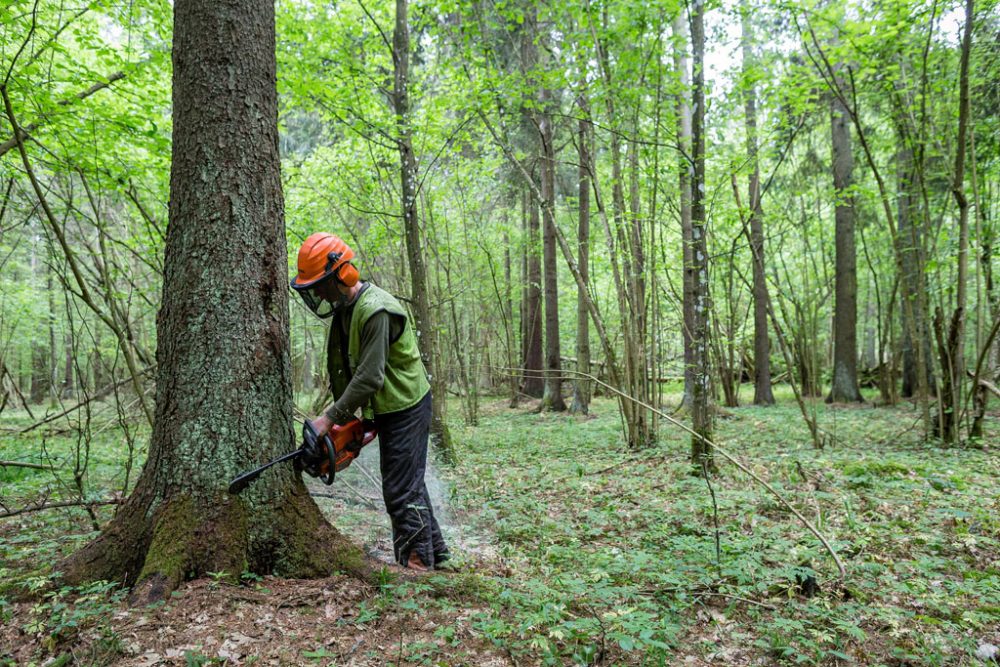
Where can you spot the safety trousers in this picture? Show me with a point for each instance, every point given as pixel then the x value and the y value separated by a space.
pixel 402 439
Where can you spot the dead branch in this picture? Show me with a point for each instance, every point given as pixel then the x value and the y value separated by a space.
pixel 24 464
pixel 101 393
pixel 65 503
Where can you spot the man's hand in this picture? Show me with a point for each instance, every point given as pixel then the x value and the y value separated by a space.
pixel 322 425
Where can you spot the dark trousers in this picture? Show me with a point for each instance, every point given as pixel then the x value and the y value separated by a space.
pixel 402 440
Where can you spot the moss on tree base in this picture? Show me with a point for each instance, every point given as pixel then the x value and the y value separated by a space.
pixel 184 538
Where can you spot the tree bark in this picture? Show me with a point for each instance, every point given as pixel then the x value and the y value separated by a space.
pixel 844 388
pixel 426 335
pixel 701 413
pixel 223 392
pixel 534 383
pixel 685 173
pixel 762 394
pixel 552 395
pixel 581 387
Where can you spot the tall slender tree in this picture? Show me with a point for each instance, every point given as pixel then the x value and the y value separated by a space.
pixel 533 351
pixel 844 388
pixel 953 349
pixel 427 337
pixel 685 173
pixel 581 387
pixel 701 410
pixel 762 394
pixel 552 397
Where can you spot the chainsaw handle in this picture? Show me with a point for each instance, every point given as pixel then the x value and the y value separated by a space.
pixel 370 431
pixel 331 456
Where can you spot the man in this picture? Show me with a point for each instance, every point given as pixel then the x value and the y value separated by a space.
pixel 374 364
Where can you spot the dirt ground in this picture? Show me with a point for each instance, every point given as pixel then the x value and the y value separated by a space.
pixel 274 621
pixel 282 622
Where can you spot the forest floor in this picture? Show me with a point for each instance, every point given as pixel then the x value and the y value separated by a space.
pixel 572 551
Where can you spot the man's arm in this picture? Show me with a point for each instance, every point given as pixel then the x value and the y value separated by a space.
pixel 370 374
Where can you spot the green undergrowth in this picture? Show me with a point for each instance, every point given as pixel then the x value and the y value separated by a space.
pixel 83 464
pixel 597 554
pixel 613 552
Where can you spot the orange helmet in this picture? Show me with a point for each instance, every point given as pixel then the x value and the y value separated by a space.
pixel 321 256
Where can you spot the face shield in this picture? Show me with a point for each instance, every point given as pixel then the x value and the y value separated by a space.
pixel 319 305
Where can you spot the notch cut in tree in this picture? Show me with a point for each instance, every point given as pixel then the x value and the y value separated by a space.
pixel 223 394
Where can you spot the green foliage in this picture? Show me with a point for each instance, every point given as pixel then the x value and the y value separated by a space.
pixel 60 617
pixel 615 552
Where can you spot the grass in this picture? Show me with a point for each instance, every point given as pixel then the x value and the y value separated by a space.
pixel 608 555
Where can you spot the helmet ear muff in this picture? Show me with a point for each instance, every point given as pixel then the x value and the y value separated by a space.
pixel 348 275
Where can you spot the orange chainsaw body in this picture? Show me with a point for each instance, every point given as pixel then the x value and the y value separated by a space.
pixel 348 440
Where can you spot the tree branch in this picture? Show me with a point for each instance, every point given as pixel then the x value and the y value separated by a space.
pixel 26 130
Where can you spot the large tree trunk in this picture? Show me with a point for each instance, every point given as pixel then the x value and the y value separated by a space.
pixel 426 337
pixel 844 388
pixel 701 413
pixel 581 387
pixel 762 394
pixel 223 393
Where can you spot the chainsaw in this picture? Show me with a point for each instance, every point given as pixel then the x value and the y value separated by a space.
pixel 321 457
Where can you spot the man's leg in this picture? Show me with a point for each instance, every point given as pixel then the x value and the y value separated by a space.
pixel 403 449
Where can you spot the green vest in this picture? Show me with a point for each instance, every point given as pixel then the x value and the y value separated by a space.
pixel 405 377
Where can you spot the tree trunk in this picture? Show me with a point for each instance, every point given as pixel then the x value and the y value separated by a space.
pixel 685 173
pixel 701 414
pixel 508 309
pixel 552 396
pixel 953 357
pixel 913 281
pixel 581 387
pixel 844 388
pixel 53 362
pixel 68 387
pixel 414 251
pixel 762 394
pixel 40 375
pixel 534 383
pixel 223 394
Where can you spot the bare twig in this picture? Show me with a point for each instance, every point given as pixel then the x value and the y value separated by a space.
pixel 107 389
pixel 24 464
pixel 65 503
pixel 715 516
pixel 126 344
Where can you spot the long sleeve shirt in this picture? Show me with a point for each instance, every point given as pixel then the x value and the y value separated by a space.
pixel 377 335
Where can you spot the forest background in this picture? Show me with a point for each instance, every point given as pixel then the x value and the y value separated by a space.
pixel 610 199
